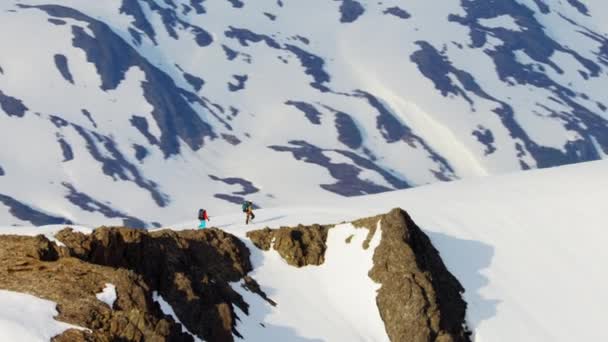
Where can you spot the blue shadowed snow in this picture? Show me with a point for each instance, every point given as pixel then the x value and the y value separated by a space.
pixel 57 22
pixel 136 36
pixel 142 126
pixel 230 54
pixel 58 121
pixel 202 37
pixel 350 11
pixel 112 57
pixel 544 8
pixel 196 82
pixel 397 12
pixel 88 115
pixel 186 9
pixel 230 198
pixel 140 152
pixel 66 150
pixel 25 212
pixel 2 173
pixel 347 178
pixel 393 130
pixel 311 113
pixel 579 6
pixel 485 137
pixel 348 132
pixel 133 8
pixel 12 106
pixel 539 46
pixel 247 186
pixel 236 3
pixel 240 83
pixel 198 6
pixel 313 66
pixel 88 203
pixel 62 65
pixel 245 36
pixel 117 166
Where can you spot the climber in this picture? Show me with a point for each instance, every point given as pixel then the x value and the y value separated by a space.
pixel 203 217
pixel 248 210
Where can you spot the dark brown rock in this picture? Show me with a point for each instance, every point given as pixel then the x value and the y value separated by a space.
pixel 190 269
pixel 42 249
pixel 262 238
pixel 73 284
pixel 419 300
pixel 299 246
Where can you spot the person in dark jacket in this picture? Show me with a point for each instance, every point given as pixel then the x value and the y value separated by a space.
pixel 248 210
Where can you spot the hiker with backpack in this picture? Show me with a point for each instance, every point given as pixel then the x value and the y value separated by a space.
pixel 248 210
pixel 203 217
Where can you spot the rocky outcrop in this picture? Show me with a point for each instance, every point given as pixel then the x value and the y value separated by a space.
pixel 73 283
pixel 191 270
pixel 299 246
pixel 419 299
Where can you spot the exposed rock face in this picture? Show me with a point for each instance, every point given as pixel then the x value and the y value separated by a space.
pixel 189 269
pixel 300 246
pixel 419 300
pixel 73 283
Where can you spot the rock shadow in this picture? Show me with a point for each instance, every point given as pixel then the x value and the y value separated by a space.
pixel 466 260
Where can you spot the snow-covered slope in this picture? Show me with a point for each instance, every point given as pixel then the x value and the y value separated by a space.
pixel 141 111
pixel 529 248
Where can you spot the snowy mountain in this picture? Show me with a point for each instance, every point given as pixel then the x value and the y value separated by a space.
pixel 138 112
pixel 530 272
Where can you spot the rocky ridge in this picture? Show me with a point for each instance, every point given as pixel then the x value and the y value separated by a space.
pixel 419 300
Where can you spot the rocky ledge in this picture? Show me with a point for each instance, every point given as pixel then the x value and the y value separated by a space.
pixel 419 300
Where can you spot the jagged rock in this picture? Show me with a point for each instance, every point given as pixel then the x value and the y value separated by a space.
pixel 42 249
pixel 262 238
pixel 299 246
pixel 73 284
pixel 419 300
pixel 190 269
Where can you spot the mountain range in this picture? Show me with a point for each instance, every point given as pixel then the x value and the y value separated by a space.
pixel 139 112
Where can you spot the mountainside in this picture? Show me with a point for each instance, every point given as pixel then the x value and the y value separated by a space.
pixel 137 112
pixel 199 280
pixel 528 250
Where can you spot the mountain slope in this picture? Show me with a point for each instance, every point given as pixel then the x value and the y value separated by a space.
pixel 138 111
pixel 528 248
